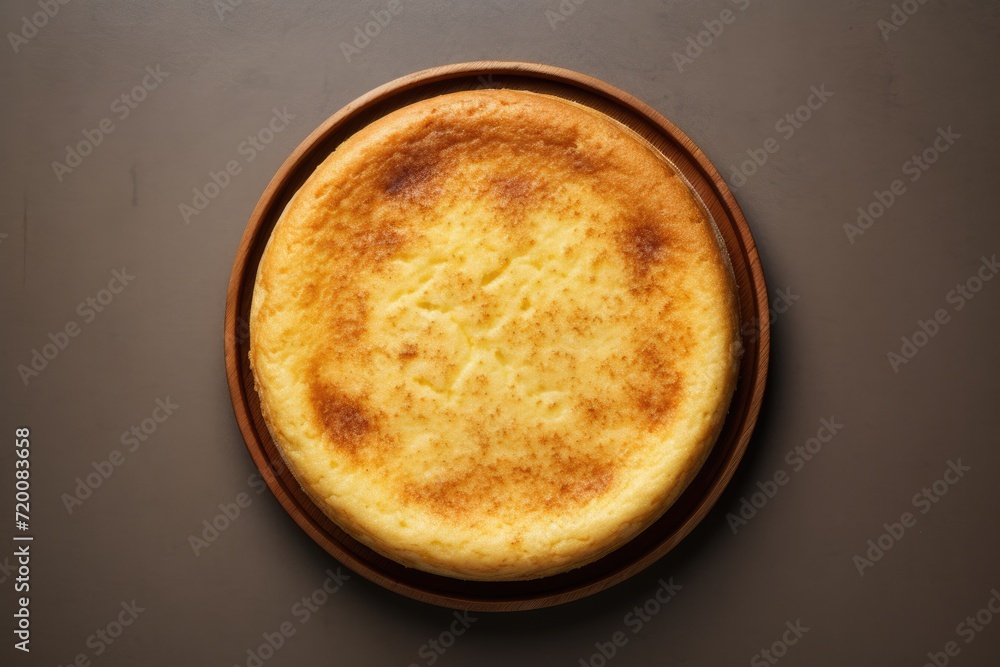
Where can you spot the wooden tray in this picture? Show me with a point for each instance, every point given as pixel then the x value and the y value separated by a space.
pixel 703 492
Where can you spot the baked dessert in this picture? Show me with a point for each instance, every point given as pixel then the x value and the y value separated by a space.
pixel 494 335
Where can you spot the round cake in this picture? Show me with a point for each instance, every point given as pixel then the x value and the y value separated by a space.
pixel 494 335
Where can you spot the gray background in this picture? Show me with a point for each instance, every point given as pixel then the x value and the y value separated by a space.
pixel 162 336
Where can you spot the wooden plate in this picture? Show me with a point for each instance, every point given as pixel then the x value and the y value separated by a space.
pixel 703 492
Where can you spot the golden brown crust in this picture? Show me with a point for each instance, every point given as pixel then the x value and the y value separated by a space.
pixel 494 335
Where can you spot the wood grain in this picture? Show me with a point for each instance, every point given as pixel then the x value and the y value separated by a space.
pixel 706 488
